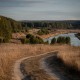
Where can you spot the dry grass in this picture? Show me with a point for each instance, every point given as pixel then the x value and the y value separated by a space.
pixel 18 35
pixel 9 53
pixel 71 58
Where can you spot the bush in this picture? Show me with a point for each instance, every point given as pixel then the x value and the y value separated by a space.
pixel 64 40
pixel 47 42
pixel 24 40
pixel 36 40
pixel 53 41
pixel 4 39
pixel 61 39
pixel 39 39
pixel 29 36
pixel 40 32
pixel 43 31
pixel 1 40
pixel 32 39
pixel 67 40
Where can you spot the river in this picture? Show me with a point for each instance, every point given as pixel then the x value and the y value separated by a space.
pixel 74 40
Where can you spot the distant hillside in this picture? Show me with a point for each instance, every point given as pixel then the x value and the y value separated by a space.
pixel 66 24
pixel 7 26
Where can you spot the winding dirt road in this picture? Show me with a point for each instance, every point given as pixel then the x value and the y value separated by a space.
pixel 17 74
pixel 20 75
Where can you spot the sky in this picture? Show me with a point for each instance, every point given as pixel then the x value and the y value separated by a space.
pixel 41 9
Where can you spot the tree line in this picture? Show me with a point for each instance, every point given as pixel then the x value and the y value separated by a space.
pixel 66 24
pixel 31 39
pixel 54 25
pixel 61 40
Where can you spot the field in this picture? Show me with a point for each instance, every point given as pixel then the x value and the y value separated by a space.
pixel 9 53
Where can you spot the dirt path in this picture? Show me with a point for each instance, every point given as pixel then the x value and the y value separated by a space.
pixel 17 73
pixel 52 71
pixel 38 68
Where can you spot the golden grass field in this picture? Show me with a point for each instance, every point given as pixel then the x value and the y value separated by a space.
pixel 9 53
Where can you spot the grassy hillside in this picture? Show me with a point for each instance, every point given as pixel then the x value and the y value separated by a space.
pixel 7 26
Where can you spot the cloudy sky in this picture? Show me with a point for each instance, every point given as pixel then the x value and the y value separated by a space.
pixel 41 9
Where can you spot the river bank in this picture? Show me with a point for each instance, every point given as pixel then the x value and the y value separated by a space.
pixel 57 32
pixel 74 41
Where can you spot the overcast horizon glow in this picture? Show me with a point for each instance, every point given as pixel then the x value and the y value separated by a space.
pixel 41 9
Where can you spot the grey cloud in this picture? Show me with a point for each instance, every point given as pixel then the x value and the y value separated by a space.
pixel 18 3
pixel 39 9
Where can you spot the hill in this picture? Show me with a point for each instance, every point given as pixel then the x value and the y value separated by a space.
pixel 7 26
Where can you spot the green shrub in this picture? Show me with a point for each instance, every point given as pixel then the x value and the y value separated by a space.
pixel 43 31
pixel 67 40
pixel 32 39
pixel 24 41
pixel 40 32
pixel 63 40
pixel 53 41
pixel 46 42
pixel 1 40
pixel 39 39
pixel 29 36
pixel 36 40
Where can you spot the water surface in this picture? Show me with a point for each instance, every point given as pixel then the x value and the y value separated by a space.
pixel 74 40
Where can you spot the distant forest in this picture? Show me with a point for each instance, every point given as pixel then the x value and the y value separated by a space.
pixel 52 24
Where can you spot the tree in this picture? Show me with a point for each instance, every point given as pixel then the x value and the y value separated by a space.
pixel 59 40
pixel 53 41
pixel 64 40
pixel 7 26
pixel 36 40
pixel 67 40
pixel 29 36
pixel 43 31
